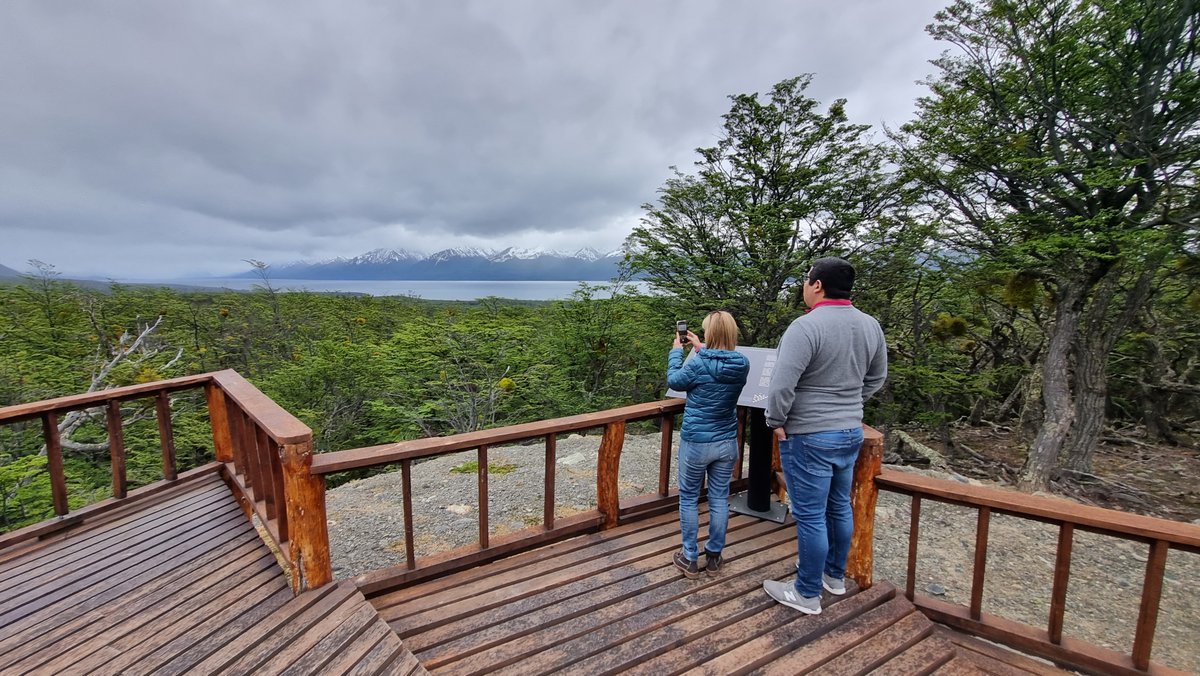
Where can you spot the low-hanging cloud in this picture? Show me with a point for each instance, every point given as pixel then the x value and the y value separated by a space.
pixel 147 139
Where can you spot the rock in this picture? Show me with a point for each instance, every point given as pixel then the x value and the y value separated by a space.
pixel 573 459
pixel 461 510
pixel 936 589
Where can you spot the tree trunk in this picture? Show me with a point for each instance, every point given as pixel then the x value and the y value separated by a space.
pixel 1099 335
pixel 1059 412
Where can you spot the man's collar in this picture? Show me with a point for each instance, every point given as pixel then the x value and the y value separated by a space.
pixel 831 301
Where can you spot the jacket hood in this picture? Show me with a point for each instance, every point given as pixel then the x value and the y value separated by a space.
pixel 726 366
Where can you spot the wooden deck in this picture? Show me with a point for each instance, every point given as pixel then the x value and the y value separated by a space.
pixel 178 584
pixel 612 603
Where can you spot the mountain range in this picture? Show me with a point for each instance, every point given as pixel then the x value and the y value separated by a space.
pixel 510 264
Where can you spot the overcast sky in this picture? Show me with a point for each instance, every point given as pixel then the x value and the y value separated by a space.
pixel 167 139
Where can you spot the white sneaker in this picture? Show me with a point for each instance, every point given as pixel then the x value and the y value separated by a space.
pixel 833 585
pixel 785 593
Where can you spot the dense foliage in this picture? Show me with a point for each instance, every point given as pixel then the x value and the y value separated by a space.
pixel 1029 243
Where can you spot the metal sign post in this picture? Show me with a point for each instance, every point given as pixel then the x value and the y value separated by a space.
pixel 758 500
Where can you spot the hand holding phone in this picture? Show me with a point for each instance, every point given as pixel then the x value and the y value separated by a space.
pixel 681 331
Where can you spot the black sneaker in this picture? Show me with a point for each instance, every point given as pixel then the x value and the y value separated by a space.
pixel 689 568
pixel 712 563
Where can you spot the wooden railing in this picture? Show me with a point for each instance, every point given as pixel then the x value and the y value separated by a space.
pixel 609 512
pixel 261 450
pixel 1159 535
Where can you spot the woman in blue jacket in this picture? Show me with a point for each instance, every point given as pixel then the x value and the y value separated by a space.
pixel 713 378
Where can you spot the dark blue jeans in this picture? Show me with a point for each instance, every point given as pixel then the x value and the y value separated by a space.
pixel 696 459
pixel 819 469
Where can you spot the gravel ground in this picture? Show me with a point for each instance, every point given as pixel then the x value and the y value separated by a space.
pixel 366 528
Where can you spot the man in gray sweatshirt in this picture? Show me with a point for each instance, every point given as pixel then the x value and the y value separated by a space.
pixel 830 361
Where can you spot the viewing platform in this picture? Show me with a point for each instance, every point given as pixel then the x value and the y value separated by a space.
pixel 226 569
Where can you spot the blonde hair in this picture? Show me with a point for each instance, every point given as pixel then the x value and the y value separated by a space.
pixel 720 331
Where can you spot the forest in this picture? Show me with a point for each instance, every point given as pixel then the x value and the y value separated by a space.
pixel 1028 241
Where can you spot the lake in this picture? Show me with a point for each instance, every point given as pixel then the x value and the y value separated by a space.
pixel 426 289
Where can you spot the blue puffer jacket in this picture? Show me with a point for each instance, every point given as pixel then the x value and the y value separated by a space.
pixel 713 379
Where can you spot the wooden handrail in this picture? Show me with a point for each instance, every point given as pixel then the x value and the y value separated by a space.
pixel 374 456
pixel 19 412
pixel 1160 534
pixel 264 452
pixel 1182 536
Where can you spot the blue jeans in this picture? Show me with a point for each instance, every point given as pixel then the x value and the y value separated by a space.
pixel 819 469
pixel 716 459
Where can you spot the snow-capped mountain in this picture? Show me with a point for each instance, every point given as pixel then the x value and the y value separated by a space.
pixel 460 263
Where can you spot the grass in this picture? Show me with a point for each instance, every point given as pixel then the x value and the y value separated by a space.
pixel 472 467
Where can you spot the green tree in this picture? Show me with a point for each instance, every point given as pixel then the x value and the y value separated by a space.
pixel 784 184
pixel 1061 144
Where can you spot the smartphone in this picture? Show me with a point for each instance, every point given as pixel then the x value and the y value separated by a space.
pixel 681 329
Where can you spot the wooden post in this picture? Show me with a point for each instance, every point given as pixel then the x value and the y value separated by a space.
pixel 116 448
pixel 860 564
pixel 218 417
pixel 1143 639
pixel 608 467
pixel 166 436
pixel 548 491
pixel 307 530
pixel 666 425
pixel 58 478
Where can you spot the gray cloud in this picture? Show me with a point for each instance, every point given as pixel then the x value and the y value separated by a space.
pixel 148 139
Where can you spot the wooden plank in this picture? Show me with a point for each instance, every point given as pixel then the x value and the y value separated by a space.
pixel 39 537
pixel 354 610
pixel 382 581
pixel 560 634
pixel 1078 654
pixel 1184 536
pixel 230 626
pixel 135 635
pixel 1062 577
pixel 560 600
pixel 42 568
pixel 777 629
pixel 664 451
pixel 93 581
pixel 979 569
pixel 78 623
pixel 54 463
pixel 918 660
pixel 526 561
pixel 445 603
pixel 548 489
pixel 914 527
pixel 640 637
pixel 482 481
pixel 147 576
pixel 315 659
pixel 281 515
pixel 782 654
pixel 101 526
pixel 1143 640
pixel 263 445
pixel 357 651
pixel 995 658
pixel 281 635
pixel 384 658
pixel 280 425
pixel 76 402
pixel 959 667
pixel 249 599
pixel 166 435
pixel 116 448
pixel 869 654
pixel 284 616
pixel 410 549
pixel 218 418
pixel 98 553
pixel 147 646
pixel 372 456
